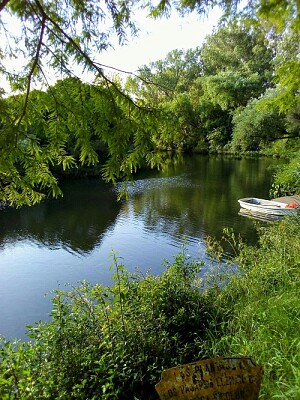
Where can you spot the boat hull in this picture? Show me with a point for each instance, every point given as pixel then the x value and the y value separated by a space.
pixel 266 206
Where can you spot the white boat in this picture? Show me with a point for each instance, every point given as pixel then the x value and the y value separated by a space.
pixel 268 206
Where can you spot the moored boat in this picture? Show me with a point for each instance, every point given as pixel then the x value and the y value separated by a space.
pixel 263 206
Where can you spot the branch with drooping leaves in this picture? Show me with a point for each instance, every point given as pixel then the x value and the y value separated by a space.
pixel 32 70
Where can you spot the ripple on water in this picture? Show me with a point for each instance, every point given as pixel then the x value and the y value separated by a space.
pixel 142 185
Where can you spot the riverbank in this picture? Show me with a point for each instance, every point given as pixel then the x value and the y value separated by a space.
pixel 263 309
pixel 113 343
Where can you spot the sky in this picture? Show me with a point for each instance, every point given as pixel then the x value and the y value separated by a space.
pixel 157 37
pixel 160 36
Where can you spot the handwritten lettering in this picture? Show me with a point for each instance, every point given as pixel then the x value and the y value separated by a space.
pixel 172 392
pixel 214 379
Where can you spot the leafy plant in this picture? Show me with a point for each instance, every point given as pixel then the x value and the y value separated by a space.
pixel 287 179
pixel 264 320
pixel 113 342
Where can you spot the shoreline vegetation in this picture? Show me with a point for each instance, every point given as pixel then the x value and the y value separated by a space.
pixel 114 342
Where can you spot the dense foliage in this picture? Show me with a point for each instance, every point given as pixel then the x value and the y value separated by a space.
pixel 199 100
pixel 263 307
pixel 113 342
pixel 70 125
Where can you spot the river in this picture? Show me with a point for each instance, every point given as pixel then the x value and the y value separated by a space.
pixel 71 239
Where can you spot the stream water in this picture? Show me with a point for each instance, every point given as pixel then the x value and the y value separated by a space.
pixel 72 238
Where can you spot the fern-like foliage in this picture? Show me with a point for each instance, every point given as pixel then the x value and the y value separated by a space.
pixel 70 125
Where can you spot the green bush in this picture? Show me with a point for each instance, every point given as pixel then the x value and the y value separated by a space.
pixel 113 342
pixel 265 309
pixel 287 179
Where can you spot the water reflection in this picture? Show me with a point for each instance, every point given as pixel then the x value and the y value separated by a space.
pixel 70 239
pixel 260 216
pixel 202 200
pixel 76 223
pixel 195 199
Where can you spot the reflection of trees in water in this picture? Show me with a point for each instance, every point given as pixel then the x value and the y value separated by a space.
pixel 205 199
pixel 191 200
pixel 76 222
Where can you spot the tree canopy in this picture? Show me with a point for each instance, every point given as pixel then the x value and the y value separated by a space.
pixel 37 127
pixel 199 99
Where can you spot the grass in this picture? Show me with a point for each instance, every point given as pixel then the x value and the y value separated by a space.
pixel 264 320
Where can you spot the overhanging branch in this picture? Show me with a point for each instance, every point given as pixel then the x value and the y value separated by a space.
pixel 82 53
pixel 3 4
pixel 33 67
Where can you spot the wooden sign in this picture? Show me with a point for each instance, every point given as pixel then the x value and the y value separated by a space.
pixel 213 379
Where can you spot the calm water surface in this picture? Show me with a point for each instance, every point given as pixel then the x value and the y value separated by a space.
pixel 71 239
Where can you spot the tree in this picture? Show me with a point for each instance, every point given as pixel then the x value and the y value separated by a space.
pixel 271 17
pixel 255 126
pixel 164 85
pixel 287 73
pixel 236 65
pixel 54 34
pixel 274 17
pixel 161 80
pixel 69 125
pixel 37 128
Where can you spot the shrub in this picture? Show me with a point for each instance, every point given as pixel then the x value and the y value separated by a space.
pixel 264 321
pixel 113 342
pixel 287 179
